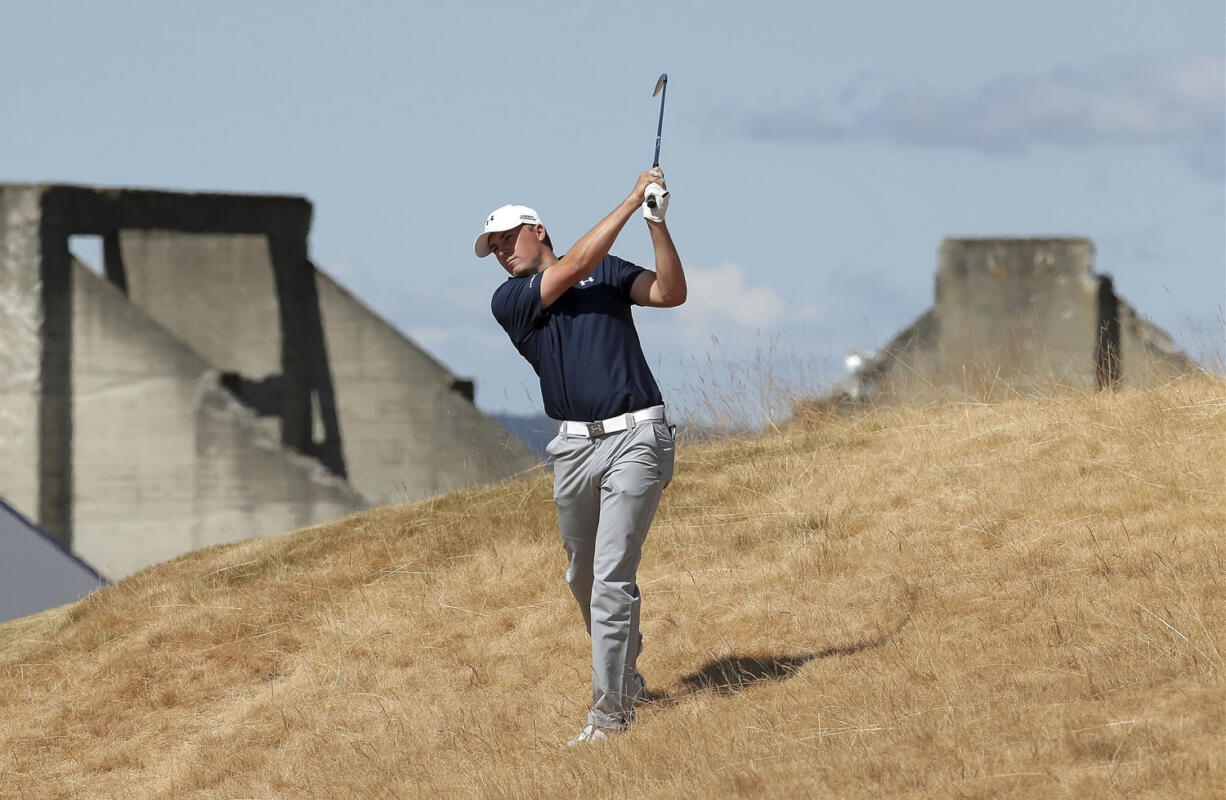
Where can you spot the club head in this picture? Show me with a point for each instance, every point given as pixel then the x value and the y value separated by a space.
pixel 660 84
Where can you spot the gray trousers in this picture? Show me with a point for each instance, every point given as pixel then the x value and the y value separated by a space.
pixel 607 490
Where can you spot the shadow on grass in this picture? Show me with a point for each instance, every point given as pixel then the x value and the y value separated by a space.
pixel 738 673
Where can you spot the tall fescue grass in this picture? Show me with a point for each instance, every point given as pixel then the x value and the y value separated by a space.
pixel 1207 343
pixel 730 391
pixel 1015 599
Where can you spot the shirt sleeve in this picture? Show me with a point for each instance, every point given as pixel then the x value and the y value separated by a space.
pixel 517 306
pixel 623 273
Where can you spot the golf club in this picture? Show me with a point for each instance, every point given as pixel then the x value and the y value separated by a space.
pixel 662 90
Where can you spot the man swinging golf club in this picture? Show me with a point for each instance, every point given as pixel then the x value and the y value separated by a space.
pixel 570 317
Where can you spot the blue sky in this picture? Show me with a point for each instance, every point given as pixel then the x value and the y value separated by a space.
pixel 817 152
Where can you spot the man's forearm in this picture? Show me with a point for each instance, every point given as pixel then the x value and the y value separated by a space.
pixel 670 287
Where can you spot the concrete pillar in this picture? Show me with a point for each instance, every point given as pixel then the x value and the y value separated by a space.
pixel 1023 310
pixel 55 409
pixel 21 323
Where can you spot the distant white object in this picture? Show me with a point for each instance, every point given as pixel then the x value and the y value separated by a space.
pixel 853 362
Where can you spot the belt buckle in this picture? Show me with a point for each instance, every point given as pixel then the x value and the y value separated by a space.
pixel 595 429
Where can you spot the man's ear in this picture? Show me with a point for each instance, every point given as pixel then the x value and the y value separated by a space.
pixel 543 238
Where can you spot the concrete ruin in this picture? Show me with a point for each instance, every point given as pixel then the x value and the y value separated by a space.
pixel 1017 316
pixel 212 384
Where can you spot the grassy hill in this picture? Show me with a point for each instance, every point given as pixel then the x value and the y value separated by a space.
pixel 1021 599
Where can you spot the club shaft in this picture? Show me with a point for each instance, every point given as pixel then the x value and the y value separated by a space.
pixel 660 127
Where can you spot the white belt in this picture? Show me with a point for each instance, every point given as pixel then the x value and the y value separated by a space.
pixel 590 430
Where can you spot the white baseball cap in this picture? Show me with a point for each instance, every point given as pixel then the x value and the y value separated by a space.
pixel 503 219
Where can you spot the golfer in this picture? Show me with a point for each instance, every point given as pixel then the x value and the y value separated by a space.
pixel 570 317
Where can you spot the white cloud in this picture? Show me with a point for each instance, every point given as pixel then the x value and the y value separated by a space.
pixel 736 340
pixel 1179 104
pixel 724 293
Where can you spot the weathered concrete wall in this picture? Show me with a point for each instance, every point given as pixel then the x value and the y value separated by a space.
pixel 1148 355
pixel 403 431
pixel 165 461
pixel 1015 317
pixel 1022 311
pixel 251 310
pixel 20 347
pixel 36 572
pixel 214 291
pixel 118 436
pixel 38 221
pixel 408 429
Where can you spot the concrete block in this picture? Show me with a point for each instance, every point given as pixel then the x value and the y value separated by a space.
pixel 165 460
pixel 121 425
pixel 1020 311
pixel 398 422
pixel 409 429
pixel 1017 317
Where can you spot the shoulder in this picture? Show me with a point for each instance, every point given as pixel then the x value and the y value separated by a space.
pixel 611 261
pixel 514 291
pixel 619 272
pixel 514 287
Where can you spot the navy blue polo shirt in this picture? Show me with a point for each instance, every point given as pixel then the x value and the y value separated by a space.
pixel 584 347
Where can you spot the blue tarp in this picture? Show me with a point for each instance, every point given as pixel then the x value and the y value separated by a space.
pixel 36 571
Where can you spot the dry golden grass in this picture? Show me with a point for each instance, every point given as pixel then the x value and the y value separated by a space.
pixel 1021 599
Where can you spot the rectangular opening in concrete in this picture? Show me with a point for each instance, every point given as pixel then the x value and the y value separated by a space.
pixel 319 433
pixel 87 250
pixel 100 254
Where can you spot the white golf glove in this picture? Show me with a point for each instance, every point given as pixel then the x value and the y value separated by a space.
pixel 655 202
